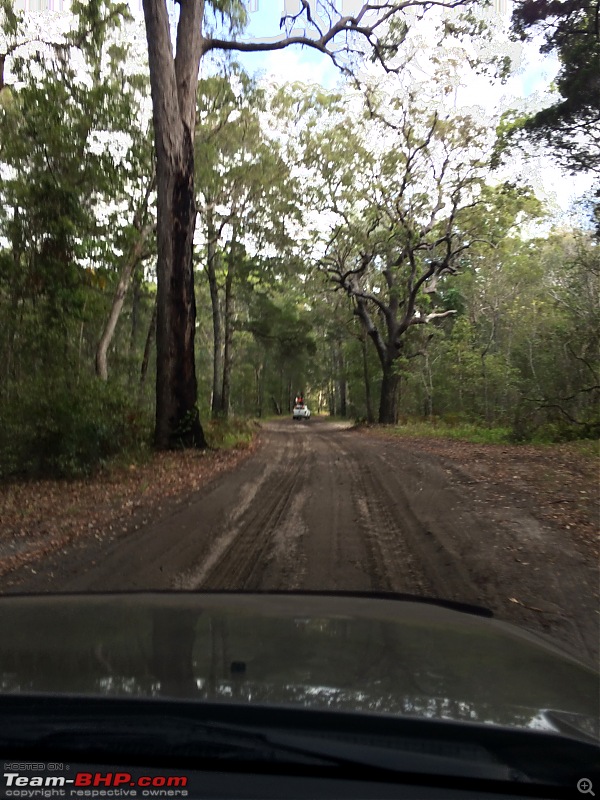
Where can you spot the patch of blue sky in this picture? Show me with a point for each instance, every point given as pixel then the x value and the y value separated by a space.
pixel 294 63
pixel 526 87
pixel 304 64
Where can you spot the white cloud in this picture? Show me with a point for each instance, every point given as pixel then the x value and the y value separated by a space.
pixel 294 64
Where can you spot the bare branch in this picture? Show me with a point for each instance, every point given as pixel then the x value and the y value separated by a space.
pixel 363 314
pixel 357 25
pixel 429 317
pixel 371 298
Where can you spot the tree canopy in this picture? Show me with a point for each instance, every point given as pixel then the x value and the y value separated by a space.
pixel 353 245
pixel 571 124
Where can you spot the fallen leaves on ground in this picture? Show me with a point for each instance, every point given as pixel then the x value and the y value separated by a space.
pixel 557 484
pixel 39 517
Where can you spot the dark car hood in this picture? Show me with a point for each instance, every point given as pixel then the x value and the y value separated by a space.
pixel 325 652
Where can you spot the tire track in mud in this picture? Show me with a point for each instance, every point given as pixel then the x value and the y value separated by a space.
pixel 249 547
pixel 320 508
pixel 469 554
pixel 285 565
pixel 332 553
pixel 391 563
pixel 405 554
pixel 444 574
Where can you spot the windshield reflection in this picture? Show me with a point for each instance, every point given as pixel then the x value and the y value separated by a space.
pixel 427 663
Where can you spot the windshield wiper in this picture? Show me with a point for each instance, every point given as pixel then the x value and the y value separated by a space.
pixel 202 736
pixel 210 741
pixel 170 738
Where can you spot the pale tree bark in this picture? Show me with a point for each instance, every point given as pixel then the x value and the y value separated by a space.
pixel 229 326
pixel 173 82
pixel 212 259
pixel 227 344
pixel 151 335
pixel 132 261
pixel 136 304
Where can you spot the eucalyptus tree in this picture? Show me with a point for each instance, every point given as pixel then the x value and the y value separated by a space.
pixel 68 97
pixel 468 367
pixel 377 28
pixel 137 247
pixel 247 200
pixel 570 124
pixel 402 228
pixel 558 353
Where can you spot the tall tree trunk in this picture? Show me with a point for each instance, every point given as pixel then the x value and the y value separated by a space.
pixel 148 346
pixel 215 301
pixel 136 302
pixel 228 344
pixel 259 389
pixel 428 385
pixel 80 346
pixel 388 403
pixel 173 84
pixel 177 419
pixel 332 379
pixel 342 383
pixel 281 404
pixel 117 305
pixel 367 378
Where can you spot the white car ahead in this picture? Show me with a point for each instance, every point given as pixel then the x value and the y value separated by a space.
pixel 301 411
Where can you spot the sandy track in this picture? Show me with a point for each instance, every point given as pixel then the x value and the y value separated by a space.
pixel 319 506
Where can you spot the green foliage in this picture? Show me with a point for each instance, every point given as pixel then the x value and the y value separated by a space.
pixel 449 429
pixel 64 221
pixel 569 125
pixel 231 14
pixel 522 352
pixel 225 434
pixel 281 325
pixel 67 431
pixel 518 359
pixel 9 18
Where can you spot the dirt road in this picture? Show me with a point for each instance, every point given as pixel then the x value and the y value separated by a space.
pixel 319 506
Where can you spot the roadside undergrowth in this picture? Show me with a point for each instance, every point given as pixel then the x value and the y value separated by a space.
pixel 480 434
pixel 40 516
pixel 225 434
pixel 557 482
pixel 465 432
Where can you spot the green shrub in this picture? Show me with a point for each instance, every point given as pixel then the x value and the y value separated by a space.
pixel 67 432
pixel 231 432
pixel 464 431
pixel 543 426
pixel 562 431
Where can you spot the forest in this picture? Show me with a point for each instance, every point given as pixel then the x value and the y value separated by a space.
pixel 378 247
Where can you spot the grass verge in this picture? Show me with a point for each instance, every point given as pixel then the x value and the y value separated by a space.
pixel 225 434
pixel 465 432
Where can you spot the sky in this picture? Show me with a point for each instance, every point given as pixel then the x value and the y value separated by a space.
pixel 528 84
pixel 532 76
